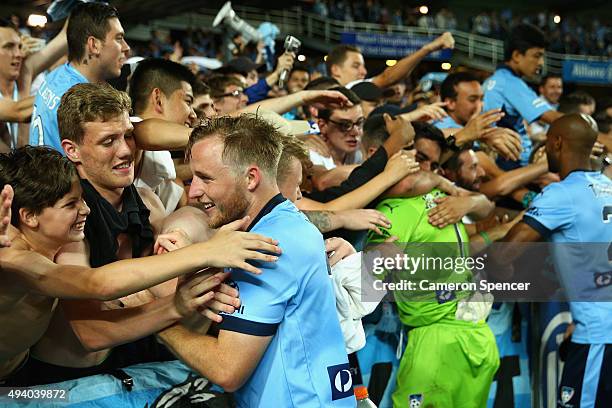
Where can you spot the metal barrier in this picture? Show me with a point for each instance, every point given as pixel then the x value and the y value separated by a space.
pixel 323 33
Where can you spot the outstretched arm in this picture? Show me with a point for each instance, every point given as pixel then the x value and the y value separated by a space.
pixel 101 329
pixel 406 65
pixel 421 183
pixel 481 240
pixel 226 248
pixel 228 360
pixel 358 198
pixel 285 61
pixel 323 178
pixel 509 181
pixel 283 104
pixel 159 134
pixel 550 116
pixel 513 248
pixel 355 220
pixel 398 166
pixel 43 59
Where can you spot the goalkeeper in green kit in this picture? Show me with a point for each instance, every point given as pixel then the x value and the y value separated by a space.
pixel 451 356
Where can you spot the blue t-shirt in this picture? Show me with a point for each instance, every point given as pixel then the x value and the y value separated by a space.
pixel 44 130
pixel 576 215
pixel 446 123
pixel 506 91
pixel 305 364
pixel 258 91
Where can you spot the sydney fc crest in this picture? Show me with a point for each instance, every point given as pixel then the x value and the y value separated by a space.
pixel 566 395
pixel 415 400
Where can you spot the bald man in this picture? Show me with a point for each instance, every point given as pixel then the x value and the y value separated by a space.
pixel 570 214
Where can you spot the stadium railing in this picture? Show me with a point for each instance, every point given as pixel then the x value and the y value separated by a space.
pixel 322 33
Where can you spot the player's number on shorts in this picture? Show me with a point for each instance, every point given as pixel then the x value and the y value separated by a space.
pixel 37 124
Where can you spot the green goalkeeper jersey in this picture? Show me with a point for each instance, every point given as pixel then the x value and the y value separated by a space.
pixel 441 254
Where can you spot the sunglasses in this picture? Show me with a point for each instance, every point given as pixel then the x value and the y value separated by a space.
pixel 235 93
pixel 347 126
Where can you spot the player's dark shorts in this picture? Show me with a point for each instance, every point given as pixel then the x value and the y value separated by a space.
pixel 587 377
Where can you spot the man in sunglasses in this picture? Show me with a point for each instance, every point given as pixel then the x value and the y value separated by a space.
pixel 228 94
pixel 341 131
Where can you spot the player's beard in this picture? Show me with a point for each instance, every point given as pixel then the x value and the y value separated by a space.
pixel 471 186
pixel 234 207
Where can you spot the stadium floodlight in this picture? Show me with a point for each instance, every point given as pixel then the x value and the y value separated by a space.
pixel 423 9
pixel 446 66
pixel 557 19
pixel 301 58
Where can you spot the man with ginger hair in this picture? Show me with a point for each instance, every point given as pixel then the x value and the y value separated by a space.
pixel 260 354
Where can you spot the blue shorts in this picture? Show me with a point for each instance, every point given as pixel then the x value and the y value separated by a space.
pixel 587 377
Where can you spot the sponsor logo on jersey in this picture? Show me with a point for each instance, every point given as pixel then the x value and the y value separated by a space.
pixel 603 279
pixel 341 381
pixel 601 190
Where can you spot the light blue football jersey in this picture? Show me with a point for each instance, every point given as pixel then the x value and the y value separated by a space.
pixel 305 364
pixel 43 129
pixel 506 91
pixel 576 216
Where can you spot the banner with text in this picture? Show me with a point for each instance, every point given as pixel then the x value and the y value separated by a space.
pixel 595 72
pixel 392 45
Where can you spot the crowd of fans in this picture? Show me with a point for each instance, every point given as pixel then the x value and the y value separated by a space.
pixel 568 35
pixel 177 212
